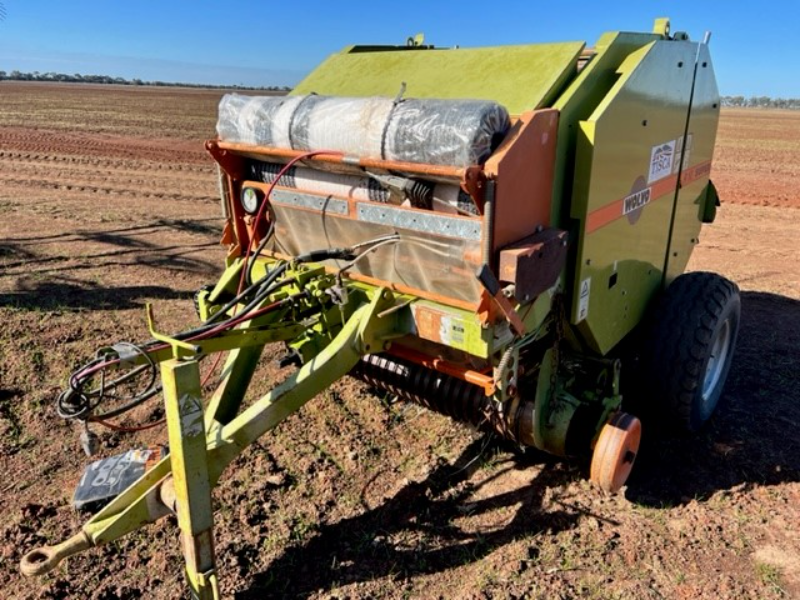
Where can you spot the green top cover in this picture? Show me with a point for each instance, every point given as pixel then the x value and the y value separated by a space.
pixel 518 77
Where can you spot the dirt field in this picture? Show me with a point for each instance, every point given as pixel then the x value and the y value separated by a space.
pixel 108 201
pixel 756 160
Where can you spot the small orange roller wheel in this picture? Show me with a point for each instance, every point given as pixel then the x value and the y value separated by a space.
pixel 615 452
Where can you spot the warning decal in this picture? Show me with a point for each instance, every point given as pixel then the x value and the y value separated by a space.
pixel 583 300
pixel 191 411
pixel 682 155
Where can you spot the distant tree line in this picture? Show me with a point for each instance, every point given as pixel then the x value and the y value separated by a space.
pixel 78 78
pixel 739 101
pixel 761 102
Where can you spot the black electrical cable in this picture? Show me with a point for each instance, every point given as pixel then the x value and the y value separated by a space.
pixel 260 296
pixel 75 403
pixel 271 276
pixel 313 256
pixel 149 390
pixel 65 404
pixel 248 277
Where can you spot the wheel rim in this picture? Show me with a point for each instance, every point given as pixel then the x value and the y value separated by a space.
pixel 720 349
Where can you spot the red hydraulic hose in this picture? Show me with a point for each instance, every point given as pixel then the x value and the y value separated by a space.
pixel 234 322
pixel 261 209
pixel 200 336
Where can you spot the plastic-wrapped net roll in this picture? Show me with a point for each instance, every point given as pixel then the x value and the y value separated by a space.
pixel 354 126
pixel 282 120
pixel 441 132
pixel 230 106
pixel 445 132
pixel 257 120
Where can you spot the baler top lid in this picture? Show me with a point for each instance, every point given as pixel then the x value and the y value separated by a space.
pixel 518 77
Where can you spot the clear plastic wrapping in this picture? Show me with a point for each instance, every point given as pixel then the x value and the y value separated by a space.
pixel 257 120
pixel 354 126
pixel 421 261
pixel 445 132
pixel 440 132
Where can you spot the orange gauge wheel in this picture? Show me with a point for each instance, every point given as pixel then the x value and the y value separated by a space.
pixel 615 452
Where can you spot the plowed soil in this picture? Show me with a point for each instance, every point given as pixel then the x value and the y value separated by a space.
pixel 108 201
pixel 756 159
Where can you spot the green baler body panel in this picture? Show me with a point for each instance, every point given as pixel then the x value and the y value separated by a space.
pixel 518 77
pixel 632 238
pixel 579 100
pixel 629 100
pixel 690 204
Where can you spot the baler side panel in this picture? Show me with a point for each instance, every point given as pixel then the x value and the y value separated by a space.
pixel 625 189
pixel 699 152
pixel 577 103
pixel 520 78
pixel 523 171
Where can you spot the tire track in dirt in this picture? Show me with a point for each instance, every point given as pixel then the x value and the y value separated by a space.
pixel 47 157
pixel 55 184
pixel 36 161
pixel 94 171
pixel 108 179
pixel 44 141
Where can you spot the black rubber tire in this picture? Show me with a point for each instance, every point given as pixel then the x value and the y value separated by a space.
pixel 677 348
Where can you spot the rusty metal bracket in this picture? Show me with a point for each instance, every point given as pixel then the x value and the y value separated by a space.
pixel 489 281
pixel 231 163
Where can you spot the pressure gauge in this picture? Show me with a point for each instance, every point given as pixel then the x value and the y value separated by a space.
pixel 251 199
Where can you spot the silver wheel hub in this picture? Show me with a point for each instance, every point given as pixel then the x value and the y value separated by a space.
pixel 720 350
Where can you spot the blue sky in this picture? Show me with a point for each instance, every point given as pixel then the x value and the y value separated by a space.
pixel 276 43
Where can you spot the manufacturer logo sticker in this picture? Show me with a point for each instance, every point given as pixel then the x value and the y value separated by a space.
pixel 639 196
pixel 635 201
pixel 662 157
